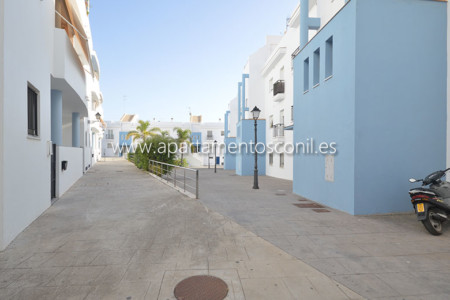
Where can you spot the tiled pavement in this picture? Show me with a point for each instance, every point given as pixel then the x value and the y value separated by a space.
pixel 120 234
pixel 385 257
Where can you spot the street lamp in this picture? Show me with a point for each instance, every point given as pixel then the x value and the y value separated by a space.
pixel 215 155
pixel 98 116
pixel 255 112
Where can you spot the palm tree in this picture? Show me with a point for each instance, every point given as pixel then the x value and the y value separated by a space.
pixel 165 133
pixel 183 137
pixel 143 131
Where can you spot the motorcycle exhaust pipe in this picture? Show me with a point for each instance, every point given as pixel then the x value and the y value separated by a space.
pixel 440 217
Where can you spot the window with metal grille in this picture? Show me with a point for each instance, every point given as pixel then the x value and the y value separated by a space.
pixel 271 158
pixel 281 160
pixel 33 111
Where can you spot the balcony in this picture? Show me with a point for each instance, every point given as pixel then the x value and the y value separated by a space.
pixel 71 16
pixel 109 136
pixel 278 132
pixel 278 91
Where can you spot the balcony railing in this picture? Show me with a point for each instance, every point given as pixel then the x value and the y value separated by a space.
pixel 109 136
pixel 209 137
pixel 278 87
pixel 278 130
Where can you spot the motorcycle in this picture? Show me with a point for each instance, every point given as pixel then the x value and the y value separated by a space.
pixel 432 203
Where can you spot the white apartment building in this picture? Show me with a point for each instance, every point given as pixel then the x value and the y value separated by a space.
pixel 202 135
pixel 114 143
pixel 252 91
pixel 50 106
pixel 279 100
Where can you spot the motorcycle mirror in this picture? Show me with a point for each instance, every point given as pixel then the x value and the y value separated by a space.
pixel 412 180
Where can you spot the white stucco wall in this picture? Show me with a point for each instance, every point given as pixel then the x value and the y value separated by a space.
pixel 232 117
pixel 32 58
pixel 66 63
pixel 255 84
pixel 26 188
pixel 74 157
pixel 275 63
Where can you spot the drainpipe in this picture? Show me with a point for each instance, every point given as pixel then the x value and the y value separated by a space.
pixel 244 109
pixel 306 23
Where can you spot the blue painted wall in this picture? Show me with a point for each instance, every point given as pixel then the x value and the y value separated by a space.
pixel 123 141
pixel 326 114
pixel 229 158
pixel 245 160
pixel 385 105
pixel 196 140
pixel 401 120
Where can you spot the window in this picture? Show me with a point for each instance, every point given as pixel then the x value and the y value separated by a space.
pixel 316 75
pixel 271 121
pixel 209 135
pixel 306 75
pixel 282 116
pixel 109 145
pixel 110 134
pixel 270 158
pixel 33 111
pixel 292 113
pixel 222 133
pixel 329 57
pixel 281 160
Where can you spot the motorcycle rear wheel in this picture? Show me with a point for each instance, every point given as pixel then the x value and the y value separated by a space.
pixel 432 225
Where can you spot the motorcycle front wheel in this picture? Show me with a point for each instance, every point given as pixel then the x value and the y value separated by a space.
pixel 432 225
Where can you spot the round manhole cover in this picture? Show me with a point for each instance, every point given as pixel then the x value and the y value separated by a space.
pixel 202 287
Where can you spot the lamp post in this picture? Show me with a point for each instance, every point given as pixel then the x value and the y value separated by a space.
pixel 215 155
pixel 255 112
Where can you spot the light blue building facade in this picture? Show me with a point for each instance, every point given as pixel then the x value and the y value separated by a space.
pixel 196 140
pixel 239 154
pixel 373 80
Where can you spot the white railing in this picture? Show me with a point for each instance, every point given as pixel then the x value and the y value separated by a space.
pixel 182 179
pixel 278 130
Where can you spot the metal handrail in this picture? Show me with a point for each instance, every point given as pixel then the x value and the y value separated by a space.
pixel 278 87
pixel 278 130
pixel 168 174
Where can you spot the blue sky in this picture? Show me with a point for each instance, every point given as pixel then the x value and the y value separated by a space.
pixel 164 57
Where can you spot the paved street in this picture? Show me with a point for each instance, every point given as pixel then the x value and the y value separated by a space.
pixel 120 234
pixel 386 257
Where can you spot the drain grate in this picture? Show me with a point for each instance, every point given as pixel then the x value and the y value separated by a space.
pixel 320 210
pixel 308 205
pixel 202 287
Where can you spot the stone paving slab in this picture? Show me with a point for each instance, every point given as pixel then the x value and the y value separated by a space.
pixel 384 256
pixel 120 234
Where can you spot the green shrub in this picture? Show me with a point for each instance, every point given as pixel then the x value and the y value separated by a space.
pixel 158 148
pixel 181 162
